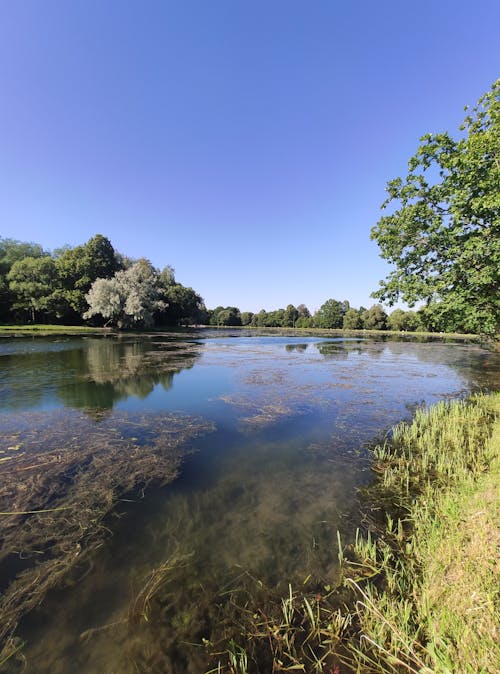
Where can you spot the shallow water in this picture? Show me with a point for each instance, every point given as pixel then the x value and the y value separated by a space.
pixel 259 501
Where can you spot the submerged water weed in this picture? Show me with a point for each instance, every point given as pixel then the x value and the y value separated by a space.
pixel 58 487
pixel 141 605
pixel 419 592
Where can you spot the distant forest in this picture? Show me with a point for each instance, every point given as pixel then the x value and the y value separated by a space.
pixel 95 284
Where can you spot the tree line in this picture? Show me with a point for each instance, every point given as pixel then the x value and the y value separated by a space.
pixel 441 233
pixel 91 282
pixel 333 314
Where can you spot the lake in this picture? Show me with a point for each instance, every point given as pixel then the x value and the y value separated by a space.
pixel 188 475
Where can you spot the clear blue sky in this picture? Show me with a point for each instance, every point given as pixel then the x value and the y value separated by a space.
pixel 247 143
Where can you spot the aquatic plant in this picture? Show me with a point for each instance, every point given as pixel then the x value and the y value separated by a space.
pixel 431 607
pixel 418 591
pixel 61 477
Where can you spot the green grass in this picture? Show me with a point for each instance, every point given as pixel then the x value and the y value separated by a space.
pixel 432 606
pixel 40 328
pixel 354 333
pixel 52 329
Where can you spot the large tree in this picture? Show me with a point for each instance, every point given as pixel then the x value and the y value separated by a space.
pixel 183 306
pixel 31 281
pixel 132 297
pixel 12 251
pixel 329 315
pixel 290 317
pixel 351 320
pixel 79 267
pixel 374 318
pixel 443 235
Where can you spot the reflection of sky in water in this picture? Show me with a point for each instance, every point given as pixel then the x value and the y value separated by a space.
pixel 246 380
pixel 265 493
pixel 304 373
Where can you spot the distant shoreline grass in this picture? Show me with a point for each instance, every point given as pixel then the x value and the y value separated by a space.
pixel 40 329
pixel 355 333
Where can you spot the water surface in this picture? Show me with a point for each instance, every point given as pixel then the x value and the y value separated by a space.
pixel 260 498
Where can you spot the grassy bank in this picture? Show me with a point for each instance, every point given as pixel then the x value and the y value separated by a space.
pixel 418 588
pixel 431 605
pixel 338 332
pixel 40 328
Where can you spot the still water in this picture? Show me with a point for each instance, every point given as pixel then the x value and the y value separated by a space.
pixel 273 433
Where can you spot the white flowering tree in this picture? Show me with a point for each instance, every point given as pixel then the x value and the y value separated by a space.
pixel 131 297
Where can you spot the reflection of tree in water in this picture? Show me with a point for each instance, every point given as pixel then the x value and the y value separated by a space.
pixel 111 370
pixel 296 347
pixel 29 372
pixel 339 350
pixel 18 389
pixel 333 351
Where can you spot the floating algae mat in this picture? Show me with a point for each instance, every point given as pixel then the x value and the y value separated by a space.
pixel 158 492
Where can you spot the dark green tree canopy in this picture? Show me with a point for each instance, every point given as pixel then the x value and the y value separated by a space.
pixel 352 320
pixel 31 280
pixel 291 315
pixel 443 236
pixel 374 318
pixel 330 315
pixel 79 267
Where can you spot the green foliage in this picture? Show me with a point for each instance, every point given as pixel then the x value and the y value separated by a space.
pixel 290 316
pixel 352 320
pixel 183 306
pixel 31 281
pixel 246 317
pixel 404 320
pixel 225 316
pixel 396 320
pixel 34 285
pixel 131 297
pixel 444 233
pixel 79 267
pixel 304 322
pixel 12 251
pixel 330 315
pixel 303 311
pixel 259 319
pixel 374 318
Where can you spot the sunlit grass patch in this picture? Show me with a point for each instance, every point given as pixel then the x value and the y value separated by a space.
pixel 34 328
pixel 432 607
